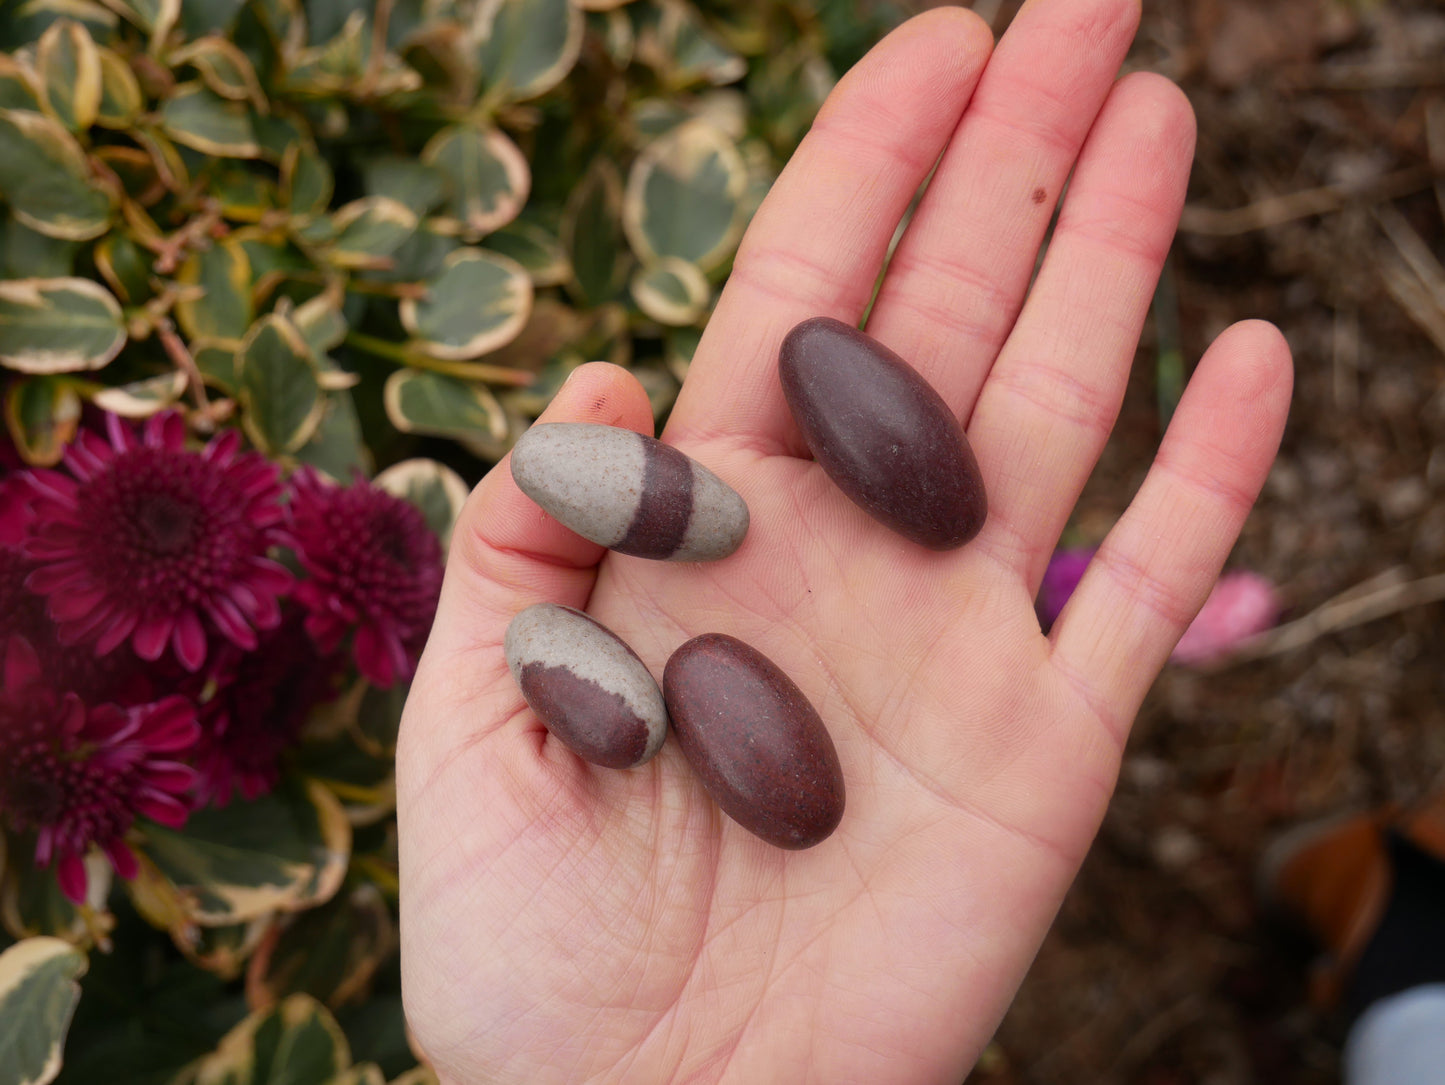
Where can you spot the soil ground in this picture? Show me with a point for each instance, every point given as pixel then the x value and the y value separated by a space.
pixel 1319 122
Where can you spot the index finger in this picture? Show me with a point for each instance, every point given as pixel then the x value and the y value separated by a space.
pixel 816 244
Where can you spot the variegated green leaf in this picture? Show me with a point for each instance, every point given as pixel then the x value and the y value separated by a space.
pixel 217 364
pixel 278 389
pixel 58 325
pixel 27 253
pixel 243 195
pixel 535 248
pixel 592 233
pixel 671 291
pixel 421 257
pixel 329 953
pixel 378 715
pixel 46 180
pixel 306 181
pixel 219 307
pixel 202 17
pixel 369 231
pixel 419 1075
pixel 432 487
pixel 222 951
pixel 321 322
pixel 338 448
pixel 420 186
pixel 486 177
pixel 442 406
pixel 28 19
pixel 120 94
pixel 69 68
pixel 196 117
pixel 479 302
pixel 276 133
pixel 38 994
pixel 125 266
pixel 155 17
pixel 19 85
pixel 296 1042
pixel 286 851
pixel 526 47
pixel 41 414
pixel 684 197
pixel 223 68
pixel 367 1073
pixel 142 398
pixel 673 40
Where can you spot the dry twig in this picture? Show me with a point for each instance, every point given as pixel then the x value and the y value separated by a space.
pixel 1376 598
pixel 1274 210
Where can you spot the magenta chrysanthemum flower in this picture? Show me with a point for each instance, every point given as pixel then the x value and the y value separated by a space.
pixel 261 702
pixel 77 776
pixel 1065 570
pixel 152 543
pixel 374 567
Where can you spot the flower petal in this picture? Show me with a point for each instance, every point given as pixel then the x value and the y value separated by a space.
pixel 152 634
pixel 68 606
pixel 169 725
pixel 122 858
pixel 70 873
pixel 22 665
pixel 231 622
pixel 115 636
pixel 376 657
pixel 65 576
pixel 163 809
pixel 189 641
pixel 121 437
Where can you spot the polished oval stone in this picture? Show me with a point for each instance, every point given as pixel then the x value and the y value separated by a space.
pixel 586 685
pixel 754 739
pixel 882 433
pixel 630 493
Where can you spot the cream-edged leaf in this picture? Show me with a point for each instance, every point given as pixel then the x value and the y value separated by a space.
pixel 479 302
pixel 58 325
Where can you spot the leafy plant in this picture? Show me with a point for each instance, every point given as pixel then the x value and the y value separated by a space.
pixel 263 248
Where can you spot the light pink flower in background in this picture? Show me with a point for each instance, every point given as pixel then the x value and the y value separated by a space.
pixel 1242 605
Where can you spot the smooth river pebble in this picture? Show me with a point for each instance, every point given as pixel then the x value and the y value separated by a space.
pixel 882 433
pixel 588 687
pixel 629 493
pixel 758 745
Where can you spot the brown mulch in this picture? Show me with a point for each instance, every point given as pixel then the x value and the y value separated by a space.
pixel 1319 121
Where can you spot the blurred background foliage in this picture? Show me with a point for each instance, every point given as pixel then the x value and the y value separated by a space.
pixel 366 236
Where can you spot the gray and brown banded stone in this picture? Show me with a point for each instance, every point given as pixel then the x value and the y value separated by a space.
pixel 590 689
pixel 629 493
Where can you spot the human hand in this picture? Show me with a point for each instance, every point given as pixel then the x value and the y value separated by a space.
pixel 562 922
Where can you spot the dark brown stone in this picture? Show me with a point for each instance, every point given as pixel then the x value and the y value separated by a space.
pixel 758 745
pixel 882 433
pixel 595 724
pixel 664 511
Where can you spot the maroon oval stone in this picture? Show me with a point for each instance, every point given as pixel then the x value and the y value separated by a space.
pixel 757 743
pixel 882 433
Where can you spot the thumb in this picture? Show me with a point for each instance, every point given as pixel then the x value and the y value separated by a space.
pixel 506 553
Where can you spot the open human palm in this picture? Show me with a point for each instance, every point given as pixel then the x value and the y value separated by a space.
pixel 562 922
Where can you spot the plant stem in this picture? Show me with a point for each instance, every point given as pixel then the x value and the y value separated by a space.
pixel 415 359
